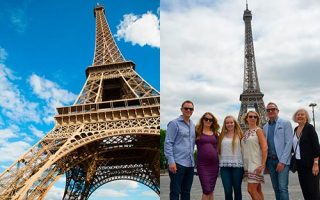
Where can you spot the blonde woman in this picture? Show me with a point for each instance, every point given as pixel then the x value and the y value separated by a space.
pixel 255 151
pixel 207 162
pixel 307 152
pixel 230 158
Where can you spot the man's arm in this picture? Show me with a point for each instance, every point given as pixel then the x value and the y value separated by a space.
pixel 288 134
pixel 171 134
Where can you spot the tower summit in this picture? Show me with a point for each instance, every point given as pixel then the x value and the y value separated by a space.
pixel 106 50
pixel 251 97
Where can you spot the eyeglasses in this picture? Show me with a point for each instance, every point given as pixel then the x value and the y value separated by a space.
pixel 208 119
pixel 271 109
pixel 186 108
pixel 253 116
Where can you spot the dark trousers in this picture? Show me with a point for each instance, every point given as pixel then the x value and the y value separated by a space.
pixel 231 179
pixel 308 182
pixel 181 182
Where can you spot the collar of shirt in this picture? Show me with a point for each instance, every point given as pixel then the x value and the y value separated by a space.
pixel 273 121
pixel 181 119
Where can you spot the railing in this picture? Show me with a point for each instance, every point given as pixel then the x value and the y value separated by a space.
pixel 109 105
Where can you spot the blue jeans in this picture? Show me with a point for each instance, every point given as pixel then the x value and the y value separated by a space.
pixel 181 182
pixel 231 179
pixel 279 180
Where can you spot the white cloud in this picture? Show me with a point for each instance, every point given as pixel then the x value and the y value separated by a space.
pixel 202 53
pixel 12 103
pixel 123 184
pixel 8 133
pixel 57 190
pixel 51 93
pixel 18 20
pixel 11 150
pixel 141 30
pixel 149 193
pixel 36 131
pixel 116 189
pixel 55 193
pixel 108 193
pixel 1 121
pixel 3 54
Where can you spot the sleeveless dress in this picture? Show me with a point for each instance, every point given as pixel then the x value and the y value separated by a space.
pixel 252 156
pixel 207 162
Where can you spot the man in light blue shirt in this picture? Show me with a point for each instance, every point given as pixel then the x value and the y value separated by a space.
pixel 279 136
pixel 178 149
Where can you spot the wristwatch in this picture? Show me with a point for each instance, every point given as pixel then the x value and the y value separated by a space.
pixel 315 162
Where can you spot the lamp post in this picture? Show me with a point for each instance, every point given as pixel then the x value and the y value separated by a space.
pixel 313 105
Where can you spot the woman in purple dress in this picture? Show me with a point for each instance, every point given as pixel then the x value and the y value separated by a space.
pixel 207 159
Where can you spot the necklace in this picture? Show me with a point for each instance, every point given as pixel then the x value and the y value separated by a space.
pixel 299 131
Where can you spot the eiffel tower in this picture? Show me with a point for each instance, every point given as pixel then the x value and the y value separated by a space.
pixel 251 97
pixel 110 133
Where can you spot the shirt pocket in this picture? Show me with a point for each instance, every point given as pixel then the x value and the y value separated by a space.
pixel 280 130
pixel 184 133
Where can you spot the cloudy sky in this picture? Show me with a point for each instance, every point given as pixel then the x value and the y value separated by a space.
pixel 45 47
pixel 202 55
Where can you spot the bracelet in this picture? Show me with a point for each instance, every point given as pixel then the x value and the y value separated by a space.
pixel 315 162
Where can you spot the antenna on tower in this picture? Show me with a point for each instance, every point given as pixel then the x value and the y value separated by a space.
pixel 247 4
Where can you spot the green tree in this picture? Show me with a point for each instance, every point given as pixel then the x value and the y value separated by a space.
pixel 162 157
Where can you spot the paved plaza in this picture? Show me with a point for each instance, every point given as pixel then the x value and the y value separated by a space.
pixel 294 189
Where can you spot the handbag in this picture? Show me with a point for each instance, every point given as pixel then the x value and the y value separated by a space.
pixel 293 161
pixel 293 164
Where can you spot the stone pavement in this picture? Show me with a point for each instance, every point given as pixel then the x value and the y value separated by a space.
pixel 294 188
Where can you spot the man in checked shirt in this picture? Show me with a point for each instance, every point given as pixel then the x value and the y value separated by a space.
pixel 178 149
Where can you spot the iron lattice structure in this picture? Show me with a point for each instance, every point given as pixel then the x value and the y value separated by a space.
pixel 111 132
pixel 251 97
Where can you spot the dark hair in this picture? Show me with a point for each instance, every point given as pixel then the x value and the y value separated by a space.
pixel 272 103
pixel 186 101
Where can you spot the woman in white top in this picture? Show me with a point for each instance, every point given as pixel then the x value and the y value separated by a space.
pixel 230 161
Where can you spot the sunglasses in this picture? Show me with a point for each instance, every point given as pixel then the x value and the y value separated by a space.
pixel 208 119
pixel 271 109
pixel 253 116
pixel 186 108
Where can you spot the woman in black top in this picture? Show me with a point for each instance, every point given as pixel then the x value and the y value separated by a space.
pixel 307 155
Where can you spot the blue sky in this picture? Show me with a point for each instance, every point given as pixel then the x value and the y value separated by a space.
pixel 45 47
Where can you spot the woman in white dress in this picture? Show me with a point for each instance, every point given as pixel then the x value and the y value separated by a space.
pixel 255 150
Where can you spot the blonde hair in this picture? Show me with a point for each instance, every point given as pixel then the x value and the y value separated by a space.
pixel 245 117
pixel 305 112
pixel 214 126
pixel 237 133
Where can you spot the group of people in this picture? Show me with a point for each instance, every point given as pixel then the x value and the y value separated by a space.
pixel 241 156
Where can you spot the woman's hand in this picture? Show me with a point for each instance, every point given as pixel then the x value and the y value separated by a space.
pixel 259 169
pixel 315 169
